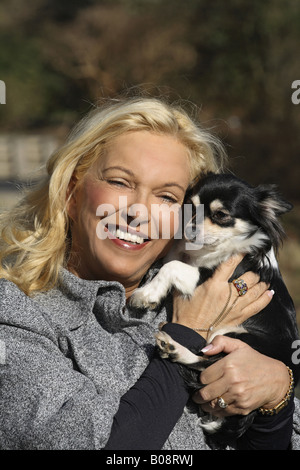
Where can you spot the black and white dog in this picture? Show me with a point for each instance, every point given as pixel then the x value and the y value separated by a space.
pixel 238 218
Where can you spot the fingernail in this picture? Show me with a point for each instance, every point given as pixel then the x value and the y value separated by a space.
pixel 271 293
pixel 208 347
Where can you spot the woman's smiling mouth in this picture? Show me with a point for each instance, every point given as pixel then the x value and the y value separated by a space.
pixel 126 238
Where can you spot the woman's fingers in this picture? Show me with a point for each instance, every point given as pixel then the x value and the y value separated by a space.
pixel 257 296
pixel 227 268
pixel 244 378
pixel 258 305
pixel 219 344
pixel 250 278
pixel 215 377
pixel 214 304
pixel 254 301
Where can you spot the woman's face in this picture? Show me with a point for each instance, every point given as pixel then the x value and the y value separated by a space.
pixel 121 214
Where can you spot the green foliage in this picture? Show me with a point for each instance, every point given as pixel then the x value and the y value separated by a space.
pixel 235 59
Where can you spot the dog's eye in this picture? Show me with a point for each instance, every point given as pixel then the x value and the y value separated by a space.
pixel 221 216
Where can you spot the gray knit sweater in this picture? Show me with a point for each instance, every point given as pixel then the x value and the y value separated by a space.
pixel 46 402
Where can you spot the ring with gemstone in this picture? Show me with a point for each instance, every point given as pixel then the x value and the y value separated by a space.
pixel 222 403
pixel 240 286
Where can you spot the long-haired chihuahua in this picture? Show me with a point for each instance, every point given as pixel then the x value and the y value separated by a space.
pixel 238 218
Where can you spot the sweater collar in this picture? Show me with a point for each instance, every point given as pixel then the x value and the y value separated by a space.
pixel 106 300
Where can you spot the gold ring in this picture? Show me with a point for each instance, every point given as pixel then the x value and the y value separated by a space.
pixel 240 286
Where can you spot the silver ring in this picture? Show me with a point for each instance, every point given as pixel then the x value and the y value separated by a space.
pixel 222 403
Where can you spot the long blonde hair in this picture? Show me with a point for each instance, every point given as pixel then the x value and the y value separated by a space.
pixel 35 235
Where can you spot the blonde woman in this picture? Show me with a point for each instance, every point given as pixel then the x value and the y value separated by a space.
pixel 80 370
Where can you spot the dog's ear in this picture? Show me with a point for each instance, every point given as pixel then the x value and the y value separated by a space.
pixel 270 205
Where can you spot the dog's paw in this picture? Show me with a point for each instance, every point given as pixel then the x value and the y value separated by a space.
pixel 167 346
pixel 211 424
pixel 144 297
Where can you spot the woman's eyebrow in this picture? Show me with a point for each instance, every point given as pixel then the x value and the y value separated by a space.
pixel 126 170
pixel 167 185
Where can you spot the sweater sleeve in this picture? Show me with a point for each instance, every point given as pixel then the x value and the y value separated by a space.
pixel 270 432
pixel 266 432
pixel 149 410
pixel 47 404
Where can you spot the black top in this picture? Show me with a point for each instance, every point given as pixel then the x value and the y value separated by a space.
pixel 150 409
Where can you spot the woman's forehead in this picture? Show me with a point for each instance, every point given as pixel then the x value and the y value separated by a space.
pixel 160 155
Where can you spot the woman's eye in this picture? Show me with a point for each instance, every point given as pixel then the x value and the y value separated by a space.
pixel 170 199
pixel 117 182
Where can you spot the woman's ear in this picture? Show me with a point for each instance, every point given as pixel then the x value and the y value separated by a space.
pixel 71 198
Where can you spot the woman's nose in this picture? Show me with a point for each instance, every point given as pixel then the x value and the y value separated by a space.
pixel 139 209
pixel 138 214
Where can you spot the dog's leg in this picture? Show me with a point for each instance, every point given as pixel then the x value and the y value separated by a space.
pixel 239 330
pixel 170 349
pixel 173 274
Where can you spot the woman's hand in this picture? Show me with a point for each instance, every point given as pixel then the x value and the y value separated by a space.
pixel 245 379
pixel 210 298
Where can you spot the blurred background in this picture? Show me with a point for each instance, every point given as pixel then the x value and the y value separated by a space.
pixel 236 60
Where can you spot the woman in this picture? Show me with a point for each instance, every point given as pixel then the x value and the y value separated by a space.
pixel 80 370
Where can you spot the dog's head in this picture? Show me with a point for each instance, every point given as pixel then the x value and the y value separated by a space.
pixel 239 215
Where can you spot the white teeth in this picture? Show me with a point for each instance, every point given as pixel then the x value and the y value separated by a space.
pixel 129 237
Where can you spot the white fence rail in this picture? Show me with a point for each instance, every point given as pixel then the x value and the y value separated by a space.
pixel 22 158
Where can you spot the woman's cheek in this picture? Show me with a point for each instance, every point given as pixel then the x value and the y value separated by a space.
pixel 96 197
pixel 169 221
